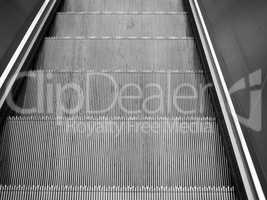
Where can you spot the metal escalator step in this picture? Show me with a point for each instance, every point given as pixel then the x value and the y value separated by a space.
pixel 40 93
pixel 150 93
pixel 123 5
pixel 108 54
pixel 123 25
pixel 116 193
pixel 113 152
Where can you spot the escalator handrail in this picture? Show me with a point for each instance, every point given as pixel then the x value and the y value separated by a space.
pixel 22 52
pixel 243 157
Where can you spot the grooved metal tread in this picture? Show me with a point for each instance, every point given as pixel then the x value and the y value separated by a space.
pixel 123 5
pixel 122 25
pixel 113 151
pixel 130 93
pixel 117 109
pixel 115 193
pixel 106 54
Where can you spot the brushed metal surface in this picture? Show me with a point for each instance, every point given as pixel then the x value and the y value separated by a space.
pixel 124 5
pixel 121 25
pixel 133 54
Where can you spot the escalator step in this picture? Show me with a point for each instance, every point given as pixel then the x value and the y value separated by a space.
pixel 76 24
pixel 117 109
pixel 113 152
pixel 115 193
pixel 147 93
pixel 122 54
pixel 124 5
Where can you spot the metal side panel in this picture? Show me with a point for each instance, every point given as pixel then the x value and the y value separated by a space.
pixel 24 51
pixel 242 154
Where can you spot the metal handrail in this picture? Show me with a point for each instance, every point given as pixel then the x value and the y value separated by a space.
pixel 22 52
pixel 243 157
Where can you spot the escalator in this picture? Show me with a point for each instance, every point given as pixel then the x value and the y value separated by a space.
pixel 117 105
